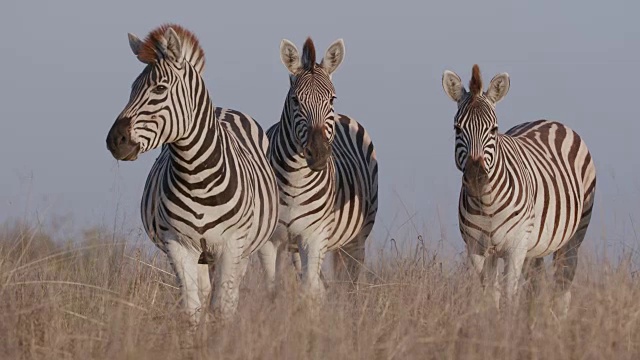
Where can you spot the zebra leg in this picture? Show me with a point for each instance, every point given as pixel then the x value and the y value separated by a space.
pixel 487 269
pixel 230 268
pixel 565 261
pixel 271 257
pixel 349 260
pixel 312 254
pixel 533 271
pixel 486 266
pixel 185 266
pixel 268 254
pixel 514 261
pixel 297 262
pixel 489 278
pixel 204 283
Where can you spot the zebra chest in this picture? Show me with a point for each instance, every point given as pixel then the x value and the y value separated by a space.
pixel 174 216
pixel 304 209
pixel 497 228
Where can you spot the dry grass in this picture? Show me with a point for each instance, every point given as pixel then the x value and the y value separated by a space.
pixel 102 298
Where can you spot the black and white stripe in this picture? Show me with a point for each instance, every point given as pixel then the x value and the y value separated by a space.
pixel 212 180
pixel 525 194
pixel 326 169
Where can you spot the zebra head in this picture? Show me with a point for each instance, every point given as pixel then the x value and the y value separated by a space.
pixel 310 100
pixel 163 96
pixel 475 123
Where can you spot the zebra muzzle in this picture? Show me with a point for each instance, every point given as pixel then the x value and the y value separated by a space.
pixel 119 141
pixel 475 173
pixel 318 151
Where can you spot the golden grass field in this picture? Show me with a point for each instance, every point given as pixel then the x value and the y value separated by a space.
pixel 103 298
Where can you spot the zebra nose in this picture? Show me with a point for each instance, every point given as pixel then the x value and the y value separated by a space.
pixel 119 142
pixel 118 135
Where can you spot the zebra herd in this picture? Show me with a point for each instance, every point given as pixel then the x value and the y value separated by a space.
pixel 222 189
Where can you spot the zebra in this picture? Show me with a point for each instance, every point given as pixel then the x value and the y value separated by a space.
pixel 212 183
pixel 326 169
pixel 525 194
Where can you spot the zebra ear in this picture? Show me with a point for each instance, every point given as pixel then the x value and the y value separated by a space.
pixel 333 57
pixel 135 43
pixel 498 88
pixel 452 85
pixel 289 56
pixel 173 47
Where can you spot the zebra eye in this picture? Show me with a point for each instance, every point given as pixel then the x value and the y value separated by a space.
pixel 494 130
pixel 295 100
pixel 457 129
pixel 159 89
pixel 331 101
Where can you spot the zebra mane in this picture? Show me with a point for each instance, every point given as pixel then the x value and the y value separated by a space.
pixel 308 55
pixel 475 84
pixel 154 45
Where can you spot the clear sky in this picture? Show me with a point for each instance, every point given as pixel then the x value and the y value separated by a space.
pixel 66 70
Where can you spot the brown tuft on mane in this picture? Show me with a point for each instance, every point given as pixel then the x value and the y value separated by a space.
pixel 150 51
pixel 475 84
pixel 308 55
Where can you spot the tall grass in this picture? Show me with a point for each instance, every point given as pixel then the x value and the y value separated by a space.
pixel 105 298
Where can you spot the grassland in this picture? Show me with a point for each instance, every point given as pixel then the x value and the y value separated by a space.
pixel 102 297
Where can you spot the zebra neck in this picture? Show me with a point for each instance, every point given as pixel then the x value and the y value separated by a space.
pixel 201 153
pixel 286 137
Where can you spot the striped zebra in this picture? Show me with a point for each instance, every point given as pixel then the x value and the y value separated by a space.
pixel 525 194
pixel 326 169
pixel 212 182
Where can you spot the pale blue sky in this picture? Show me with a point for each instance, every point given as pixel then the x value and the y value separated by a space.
pixel 67 69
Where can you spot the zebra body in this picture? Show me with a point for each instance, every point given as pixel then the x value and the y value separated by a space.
pixel 211 184
pixel 525 194
pixel 326 170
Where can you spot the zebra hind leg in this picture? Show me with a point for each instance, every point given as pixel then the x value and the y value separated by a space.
pixel 534 273
pixel 348 261
pixel 565 261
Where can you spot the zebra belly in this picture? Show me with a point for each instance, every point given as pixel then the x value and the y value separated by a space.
pixel 547 237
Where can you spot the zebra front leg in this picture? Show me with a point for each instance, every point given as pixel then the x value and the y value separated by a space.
pixel 271 257
pixel 268 255
pixel 229 271
pixel 514 261
pixel 312 252
pixel 297 263
pixel 204 283
pixel 486 266
pixel 185 266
